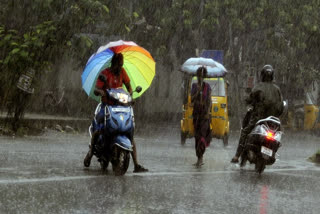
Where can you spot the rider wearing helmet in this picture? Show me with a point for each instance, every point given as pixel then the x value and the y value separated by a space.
pixel 266 100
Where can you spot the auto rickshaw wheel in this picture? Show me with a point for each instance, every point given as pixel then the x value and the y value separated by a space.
pixel 183 137
pixel 299 121
pixel 225 140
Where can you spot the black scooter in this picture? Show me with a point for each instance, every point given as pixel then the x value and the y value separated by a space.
pixel 262 143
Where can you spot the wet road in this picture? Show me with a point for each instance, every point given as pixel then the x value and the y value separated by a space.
pixel 44 174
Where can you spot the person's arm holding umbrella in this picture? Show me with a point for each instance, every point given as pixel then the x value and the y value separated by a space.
pixel 127 83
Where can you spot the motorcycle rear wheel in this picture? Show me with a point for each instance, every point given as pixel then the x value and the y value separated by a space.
pixel 121 162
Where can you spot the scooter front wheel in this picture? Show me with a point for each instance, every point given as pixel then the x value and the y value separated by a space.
pixel 121 162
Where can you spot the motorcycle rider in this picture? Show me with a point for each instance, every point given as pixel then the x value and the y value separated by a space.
pixel 114 77
pixel 266 100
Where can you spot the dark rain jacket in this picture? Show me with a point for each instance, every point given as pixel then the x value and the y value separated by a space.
pixel 266 100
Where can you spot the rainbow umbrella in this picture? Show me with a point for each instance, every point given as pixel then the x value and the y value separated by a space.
pixel 138 63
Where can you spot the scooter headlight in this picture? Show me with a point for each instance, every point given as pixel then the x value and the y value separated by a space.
pixel 124 98
pixel 114 95
pixel 121 97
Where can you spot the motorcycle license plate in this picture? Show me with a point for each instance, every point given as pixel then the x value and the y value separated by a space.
pixel 266 151
pixel 120 109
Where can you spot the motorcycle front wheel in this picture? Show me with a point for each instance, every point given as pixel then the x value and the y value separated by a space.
pixel 120 162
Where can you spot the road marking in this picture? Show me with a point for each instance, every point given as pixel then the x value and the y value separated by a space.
pixel 56 178
pixel 50 179
pixel 222 172
pixel 180 173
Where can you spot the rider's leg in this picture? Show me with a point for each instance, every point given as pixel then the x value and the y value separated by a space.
pixel 240 147
pixel 243 136
pixel 87 159
pixel 137 166
pixel 98 118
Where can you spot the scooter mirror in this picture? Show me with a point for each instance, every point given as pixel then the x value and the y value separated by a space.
pixel 138 89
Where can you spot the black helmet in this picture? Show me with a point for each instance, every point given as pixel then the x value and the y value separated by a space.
pixel 267 73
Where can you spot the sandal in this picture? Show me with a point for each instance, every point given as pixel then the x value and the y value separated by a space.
pixel 235 159
pixel 140 168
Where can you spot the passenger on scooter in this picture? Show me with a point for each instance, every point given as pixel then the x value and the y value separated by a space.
pixel 266 100
pixel 115 77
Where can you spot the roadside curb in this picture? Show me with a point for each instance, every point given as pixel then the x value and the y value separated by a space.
pixel 38 121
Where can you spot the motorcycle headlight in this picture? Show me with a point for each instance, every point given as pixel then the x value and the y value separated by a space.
pixel 124 98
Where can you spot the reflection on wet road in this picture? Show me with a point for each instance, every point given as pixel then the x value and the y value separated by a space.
pixel 44 174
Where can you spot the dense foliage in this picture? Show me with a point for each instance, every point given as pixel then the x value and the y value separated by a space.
pixel 35 34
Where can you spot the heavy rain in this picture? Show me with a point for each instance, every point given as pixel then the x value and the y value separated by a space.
pixel 218 110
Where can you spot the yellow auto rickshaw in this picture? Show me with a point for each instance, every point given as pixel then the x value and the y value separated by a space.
pixel 305 114
pixel 219 111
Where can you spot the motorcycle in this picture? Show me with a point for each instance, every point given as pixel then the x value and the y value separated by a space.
pixel 116 126
pixel 262 144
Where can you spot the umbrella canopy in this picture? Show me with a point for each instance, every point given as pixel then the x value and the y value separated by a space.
pixel 214 68
pixel 138 63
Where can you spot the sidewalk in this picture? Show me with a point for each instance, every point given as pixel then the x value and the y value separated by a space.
pixel 40 121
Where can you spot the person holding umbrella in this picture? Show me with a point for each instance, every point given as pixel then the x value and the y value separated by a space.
pixel 201 100
pixel 114 77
